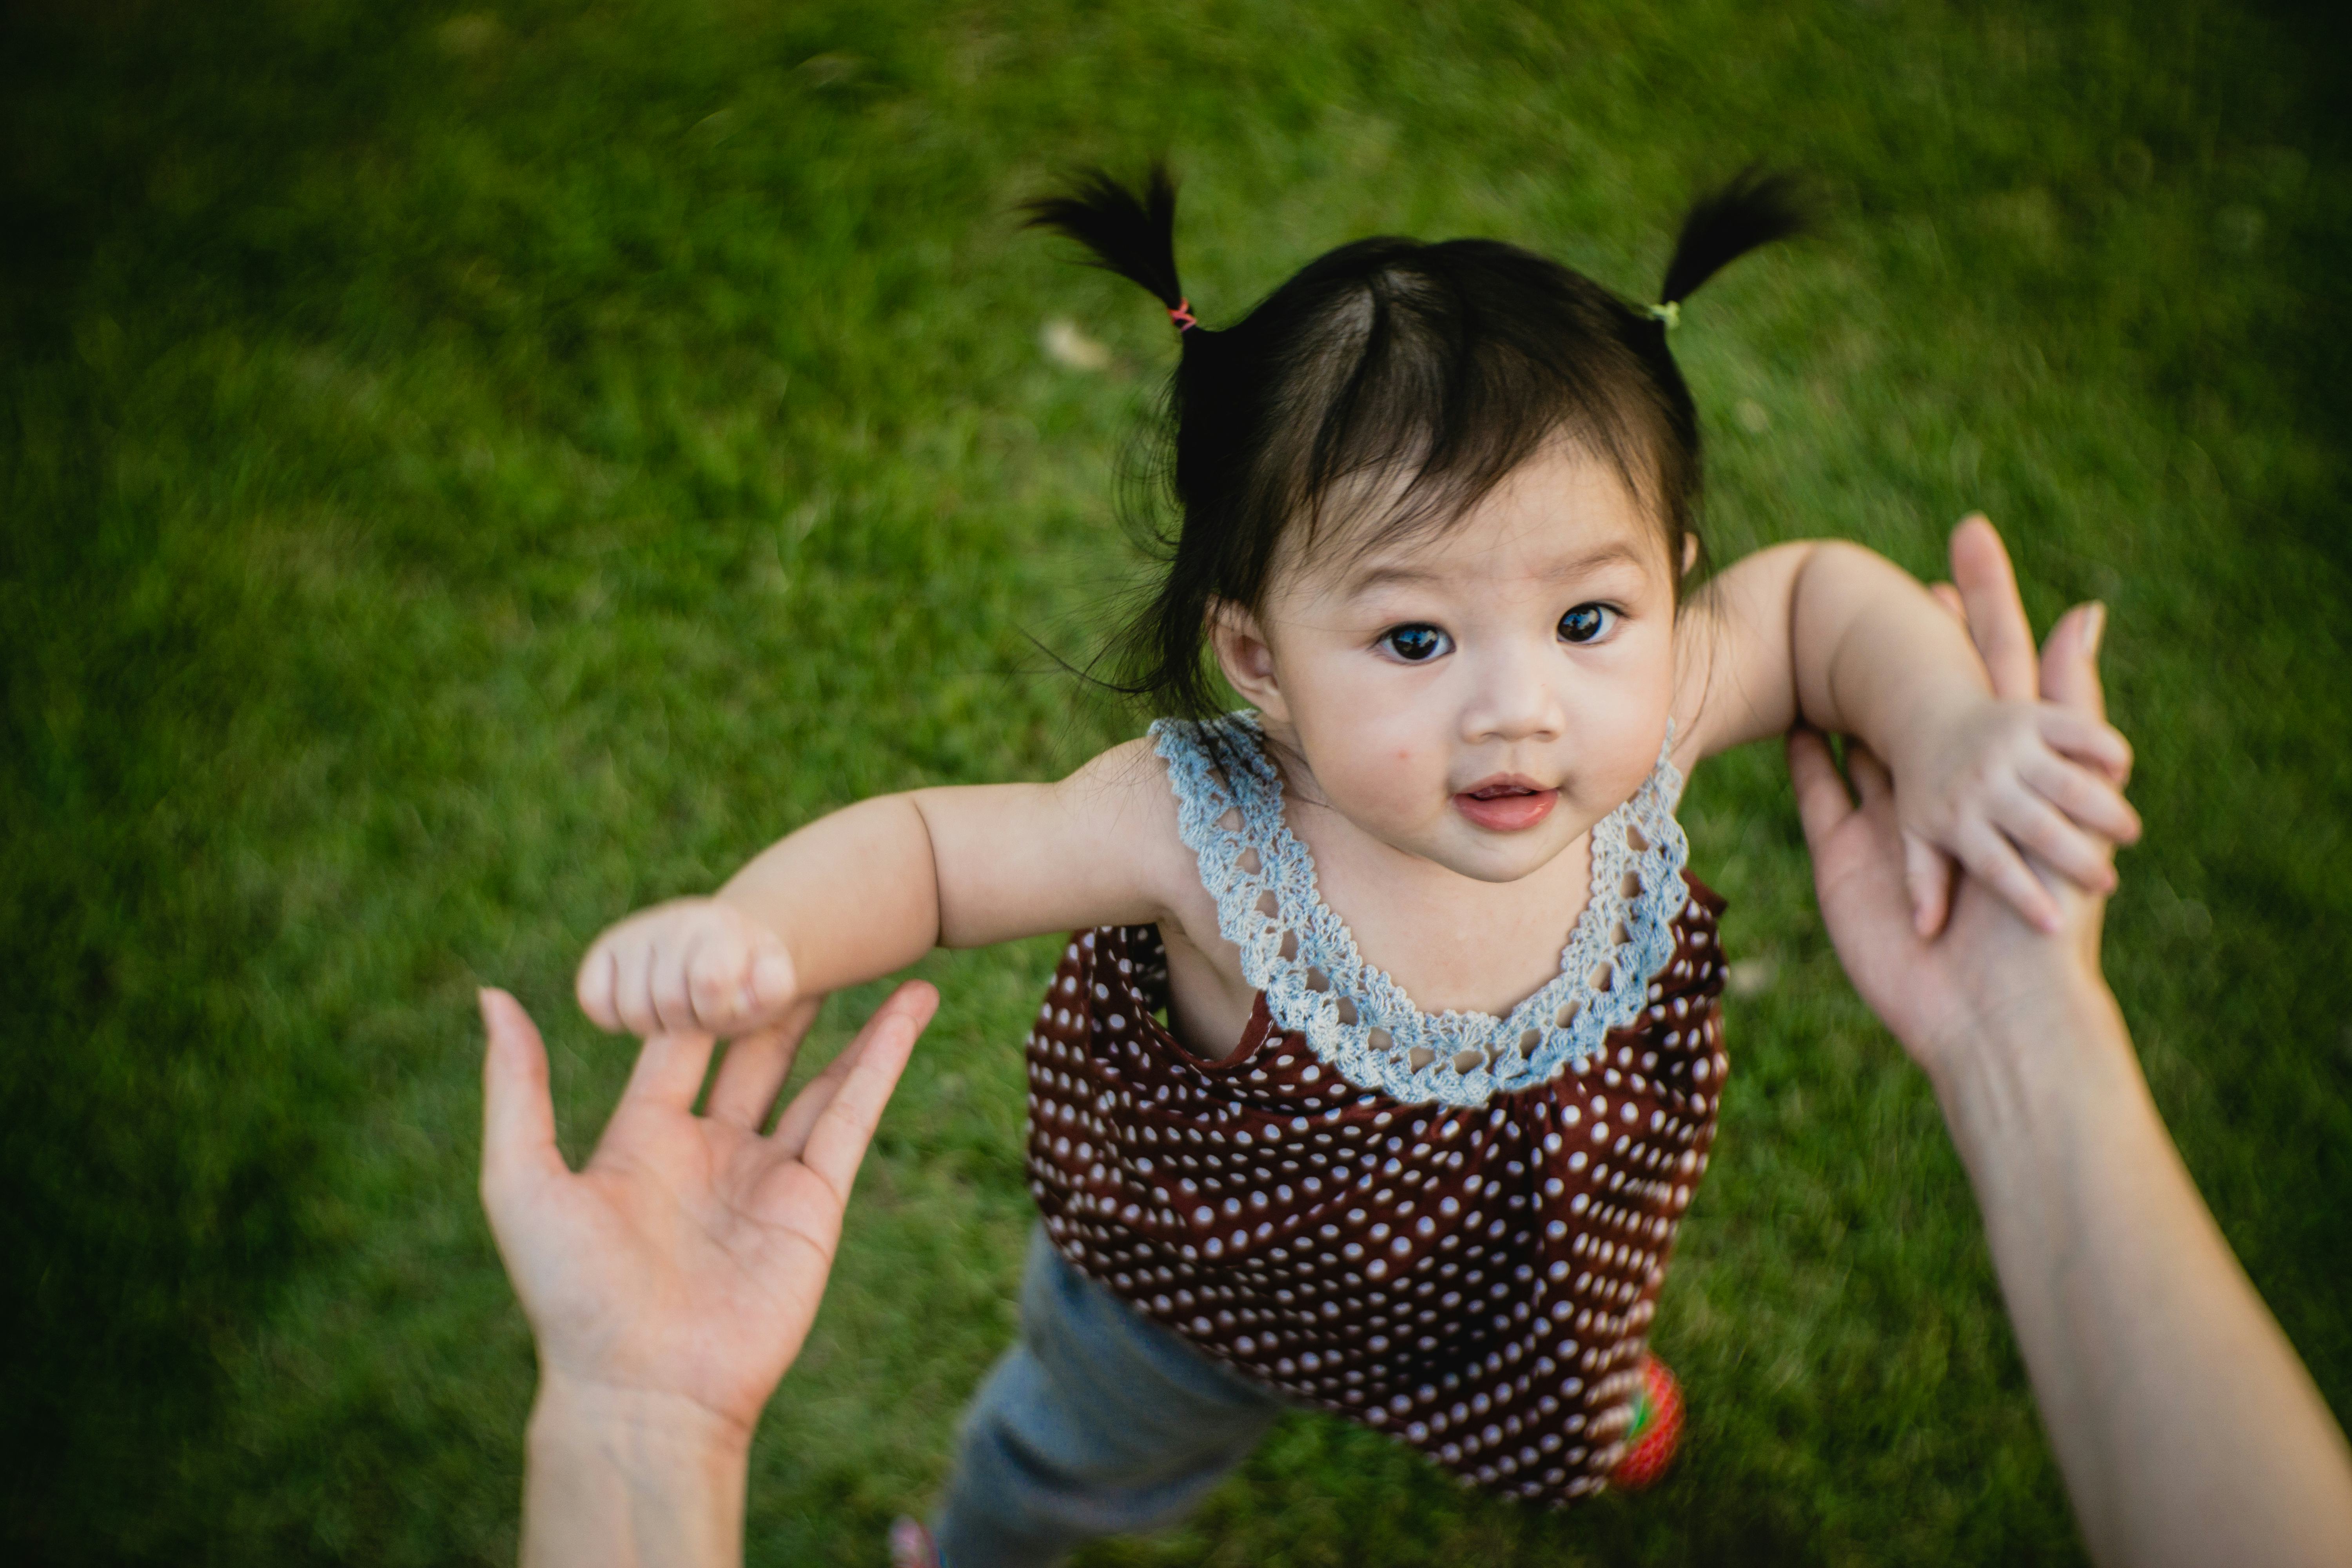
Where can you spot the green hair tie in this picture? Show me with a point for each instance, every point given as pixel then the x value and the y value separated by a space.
pixel 1670 312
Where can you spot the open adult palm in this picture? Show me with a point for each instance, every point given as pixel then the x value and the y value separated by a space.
pixel 1932 994
pixel 686 1261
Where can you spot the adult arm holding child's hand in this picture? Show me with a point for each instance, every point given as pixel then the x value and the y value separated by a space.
pixel 1835 636
pixel 671 1281
pixel 2187 1429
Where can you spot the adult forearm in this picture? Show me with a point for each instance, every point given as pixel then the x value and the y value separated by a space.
pixel 2188 1430
pixel 855 895
pixel 612 1482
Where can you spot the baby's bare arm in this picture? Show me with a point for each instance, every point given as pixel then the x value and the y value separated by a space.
pixel 1841 638
pixel 870 889
pixel 1825 631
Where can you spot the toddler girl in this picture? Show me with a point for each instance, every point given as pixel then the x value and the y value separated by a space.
pixel 1386 1056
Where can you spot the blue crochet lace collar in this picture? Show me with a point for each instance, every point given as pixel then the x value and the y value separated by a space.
pixel 1354 1017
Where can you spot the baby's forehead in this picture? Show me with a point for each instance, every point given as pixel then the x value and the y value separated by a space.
pixel 1560 521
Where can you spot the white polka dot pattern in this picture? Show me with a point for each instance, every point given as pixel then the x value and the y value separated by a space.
pixel 1477 1282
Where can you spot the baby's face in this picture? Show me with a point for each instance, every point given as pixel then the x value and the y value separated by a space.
pixel 1481 697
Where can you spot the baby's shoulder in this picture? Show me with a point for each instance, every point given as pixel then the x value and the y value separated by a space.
pixel 1121 800
pixel 1127 802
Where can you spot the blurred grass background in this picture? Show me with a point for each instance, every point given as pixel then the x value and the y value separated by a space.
pixel 466 473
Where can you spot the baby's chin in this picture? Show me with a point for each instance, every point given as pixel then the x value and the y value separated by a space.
pixel 1488 856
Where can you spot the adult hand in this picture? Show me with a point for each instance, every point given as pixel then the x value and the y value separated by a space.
pixel 671 1283
pixel 1934 995
pixel 2185 1428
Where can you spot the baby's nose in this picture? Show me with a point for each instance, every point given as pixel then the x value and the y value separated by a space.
pixel 1513 701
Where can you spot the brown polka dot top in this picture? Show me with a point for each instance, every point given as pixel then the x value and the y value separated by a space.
pixel 1450 1227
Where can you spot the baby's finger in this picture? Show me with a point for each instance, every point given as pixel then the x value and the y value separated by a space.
pixel 2033 824
pixel 2085 739
pixel 715 981
pixel 633 990
pixel 595 988
pixel 671 1003
pixel 2083 796
pixel 1991 859
pixel 773 982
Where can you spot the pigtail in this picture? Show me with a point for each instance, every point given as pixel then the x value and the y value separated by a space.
pixel 1755 209
pixel 1133 235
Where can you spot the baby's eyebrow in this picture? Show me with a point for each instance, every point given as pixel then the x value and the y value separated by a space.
pixel 1391 576
pixel 1616 553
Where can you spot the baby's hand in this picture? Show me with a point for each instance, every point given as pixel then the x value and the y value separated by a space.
pixel 2014 776
pixel 692 966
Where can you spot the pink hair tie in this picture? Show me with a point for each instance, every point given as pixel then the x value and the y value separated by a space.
pixel 1181 313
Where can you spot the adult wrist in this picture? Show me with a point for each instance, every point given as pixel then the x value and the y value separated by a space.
pixel 623 1478
pixel 2020 1049
pixel 658 1428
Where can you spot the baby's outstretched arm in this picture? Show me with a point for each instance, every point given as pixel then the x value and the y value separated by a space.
pixel 872 888
pixel 1843 639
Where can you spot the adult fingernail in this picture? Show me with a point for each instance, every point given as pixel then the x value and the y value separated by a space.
pixel 2094 627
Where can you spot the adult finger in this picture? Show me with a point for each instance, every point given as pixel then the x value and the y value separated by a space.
pixel 837 1144
pixel 755 1067
pixel 2085 795
pixel 1996 615
pixel 1927 879
pixel 1949 597
pixel 1993 860
pixel 2070 662
pixel 1872 783
pixel 518 1117
pixel 799 1120
pixel 1823 803
pixel 668 1073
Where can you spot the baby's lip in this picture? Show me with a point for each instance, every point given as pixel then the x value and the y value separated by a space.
pixel 1506 802
pixel 1506 784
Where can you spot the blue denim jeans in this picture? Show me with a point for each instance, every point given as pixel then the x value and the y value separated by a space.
pixel 1097 1423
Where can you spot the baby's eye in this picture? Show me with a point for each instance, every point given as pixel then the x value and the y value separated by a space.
pixel 1416 645
pixel 1586 622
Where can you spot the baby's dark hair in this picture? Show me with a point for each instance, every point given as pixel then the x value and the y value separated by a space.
pixel 1401 381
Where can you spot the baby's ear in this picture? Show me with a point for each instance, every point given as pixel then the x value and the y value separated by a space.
pixel 1690 553
pixel 1245 657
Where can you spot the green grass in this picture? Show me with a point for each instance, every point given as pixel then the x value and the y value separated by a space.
pixel 467 475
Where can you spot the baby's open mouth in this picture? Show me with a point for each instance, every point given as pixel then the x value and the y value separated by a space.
pixel 1507 805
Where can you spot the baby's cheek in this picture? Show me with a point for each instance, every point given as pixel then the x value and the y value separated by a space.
pixel 1616 748
pixel 1392 788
